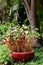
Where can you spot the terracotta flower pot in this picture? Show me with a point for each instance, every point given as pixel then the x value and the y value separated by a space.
pixel 23 56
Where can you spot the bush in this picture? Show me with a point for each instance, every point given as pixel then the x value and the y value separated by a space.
pixel 5 53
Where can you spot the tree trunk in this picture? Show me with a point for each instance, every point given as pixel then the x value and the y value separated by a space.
pixel 27 8
pixel 34 18
pixel 32 15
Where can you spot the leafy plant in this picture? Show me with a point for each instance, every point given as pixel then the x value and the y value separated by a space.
pixel 20 38
pixel 5 53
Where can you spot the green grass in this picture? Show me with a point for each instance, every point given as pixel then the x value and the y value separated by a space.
pixel 37 60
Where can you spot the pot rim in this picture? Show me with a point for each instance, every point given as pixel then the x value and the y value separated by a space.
pixel 23 52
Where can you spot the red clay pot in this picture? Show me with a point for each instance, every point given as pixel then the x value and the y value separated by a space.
pixel 23 56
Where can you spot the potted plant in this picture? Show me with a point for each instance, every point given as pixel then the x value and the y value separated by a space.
pixel 5 52
pixel 20 43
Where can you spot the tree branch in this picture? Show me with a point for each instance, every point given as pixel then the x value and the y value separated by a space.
pixel 27 8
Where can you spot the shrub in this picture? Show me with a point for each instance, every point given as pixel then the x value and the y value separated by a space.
pixel 5 53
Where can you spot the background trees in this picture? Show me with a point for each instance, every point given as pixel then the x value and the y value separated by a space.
pixel 33 12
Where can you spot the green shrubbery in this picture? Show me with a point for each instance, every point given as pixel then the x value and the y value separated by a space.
pixel 5 53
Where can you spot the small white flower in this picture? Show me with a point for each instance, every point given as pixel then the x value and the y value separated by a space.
pixel 25 27
pixel 15 30
pixel 26 32
pixel 22 25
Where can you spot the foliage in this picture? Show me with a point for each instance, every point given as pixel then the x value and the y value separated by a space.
pixel 18 30
pixel 20 38
pixel 25 22
pixel 6 6
pixel 40 16
pixel 3 29
pixel 5 53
